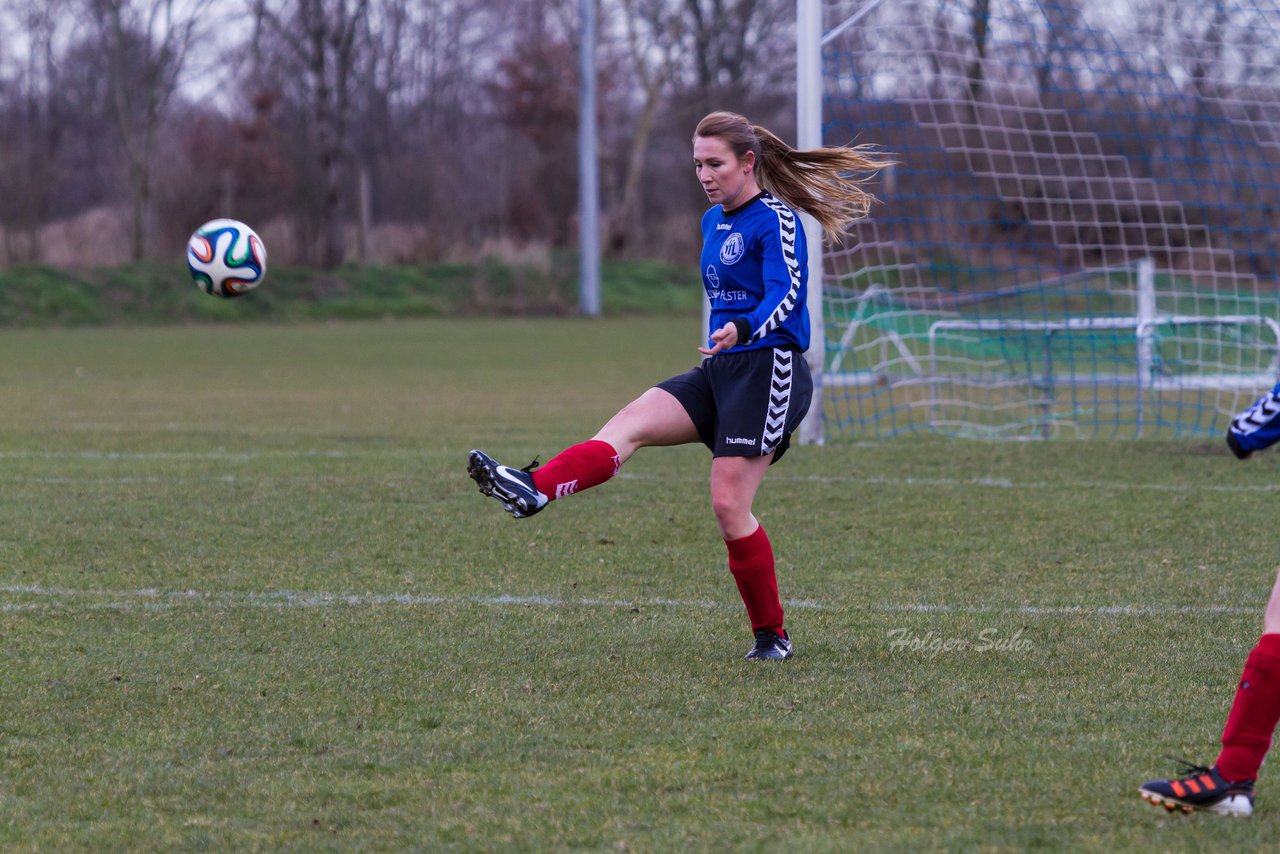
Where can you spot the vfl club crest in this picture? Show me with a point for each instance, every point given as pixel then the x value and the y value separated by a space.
pixel 732 249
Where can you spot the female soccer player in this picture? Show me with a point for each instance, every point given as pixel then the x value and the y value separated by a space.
pixel 752 387
pixel 1226 787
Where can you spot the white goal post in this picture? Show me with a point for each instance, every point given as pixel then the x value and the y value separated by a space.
pixel 809 135
pixel 810 38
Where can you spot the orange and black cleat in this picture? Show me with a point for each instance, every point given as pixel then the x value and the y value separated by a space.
pixel 1200 788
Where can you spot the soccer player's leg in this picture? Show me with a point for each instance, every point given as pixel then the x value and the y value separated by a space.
pixel 654 418
pixel 1255 710
pixel 734 483
pixel 762 396
pixel 1227 787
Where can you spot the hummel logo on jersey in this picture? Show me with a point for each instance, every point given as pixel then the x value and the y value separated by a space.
pixel 723 226
pixel 736 440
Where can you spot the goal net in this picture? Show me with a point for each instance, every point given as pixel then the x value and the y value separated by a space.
pixel 1082 234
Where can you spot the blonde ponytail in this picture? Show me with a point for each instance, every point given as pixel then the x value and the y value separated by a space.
pixel 818 182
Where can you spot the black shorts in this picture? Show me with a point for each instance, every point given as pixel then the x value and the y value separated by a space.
pixel 748 403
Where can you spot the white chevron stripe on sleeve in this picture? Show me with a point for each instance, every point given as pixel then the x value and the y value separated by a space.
pixel 787 232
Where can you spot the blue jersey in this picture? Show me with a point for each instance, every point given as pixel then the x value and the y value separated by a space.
pixel 755 269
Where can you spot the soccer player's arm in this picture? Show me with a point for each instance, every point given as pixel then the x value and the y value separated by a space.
pixel 781 287
pixel 1257 427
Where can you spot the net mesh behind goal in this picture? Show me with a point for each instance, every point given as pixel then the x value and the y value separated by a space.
pixel 1082 234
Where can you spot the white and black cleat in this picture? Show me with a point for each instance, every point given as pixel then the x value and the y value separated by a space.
pixel 513 487
pixel 770 646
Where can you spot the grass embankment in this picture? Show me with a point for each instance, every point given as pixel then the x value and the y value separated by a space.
pixel 163 293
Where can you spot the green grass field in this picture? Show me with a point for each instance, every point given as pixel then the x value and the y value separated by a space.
pixel 249 600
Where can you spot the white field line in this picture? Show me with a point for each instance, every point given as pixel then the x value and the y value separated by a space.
pixel 336 454
pixel 1005 483
pixel 39 598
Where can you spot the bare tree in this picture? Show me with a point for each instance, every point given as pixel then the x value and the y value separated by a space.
pixel 737 49
pixel 534 92
pixel 322 41
pixel 439 101
pixel 145 45
pixel 652 38
pixel 1206 70
pixel 1062 21
pixel 979 26
pixel 1186 70
pixel 33 126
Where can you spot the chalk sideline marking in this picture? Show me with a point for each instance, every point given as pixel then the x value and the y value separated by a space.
pixel 342 454
pixel 62 598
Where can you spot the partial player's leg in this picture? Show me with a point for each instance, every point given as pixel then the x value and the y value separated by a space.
pixel 654 418
pixel 1255 710
pixel 1227 786
pixel 761 396
pixel 734 483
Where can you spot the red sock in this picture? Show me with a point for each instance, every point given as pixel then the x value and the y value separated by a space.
pixel 580 467
pixel 1254 713
pixel 751 562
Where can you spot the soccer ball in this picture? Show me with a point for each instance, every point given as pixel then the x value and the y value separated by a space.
pixel 226 258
